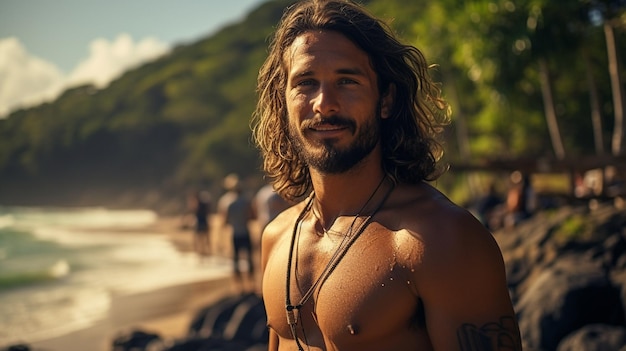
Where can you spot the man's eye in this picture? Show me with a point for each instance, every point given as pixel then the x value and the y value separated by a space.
pixel 306 82
pixel 347 81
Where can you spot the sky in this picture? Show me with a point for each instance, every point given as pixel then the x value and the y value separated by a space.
pixel 47 46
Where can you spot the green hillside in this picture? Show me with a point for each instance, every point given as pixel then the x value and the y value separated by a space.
pixel 182 121
pixel 177 123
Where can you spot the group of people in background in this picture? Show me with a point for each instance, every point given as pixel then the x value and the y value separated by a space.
pixel 238 215
pixel 518 203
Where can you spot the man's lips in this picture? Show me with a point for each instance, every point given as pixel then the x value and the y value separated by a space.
pixel 329 125
pixel 325 127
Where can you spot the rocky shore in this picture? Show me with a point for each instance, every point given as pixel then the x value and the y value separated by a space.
pixel 566 272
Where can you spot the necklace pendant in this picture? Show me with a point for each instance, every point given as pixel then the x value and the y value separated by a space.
pixel 292 317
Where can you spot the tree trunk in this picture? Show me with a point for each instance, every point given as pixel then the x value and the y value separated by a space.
pixel 550 111
pixel 617 142
pixel 594 102
pixel 462 133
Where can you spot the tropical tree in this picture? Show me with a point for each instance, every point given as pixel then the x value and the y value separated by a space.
pixel 612 15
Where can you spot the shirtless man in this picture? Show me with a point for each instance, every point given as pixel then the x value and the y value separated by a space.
pixel 373 257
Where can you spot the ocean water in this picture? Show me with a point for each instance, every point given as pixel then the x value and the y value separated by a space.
pixel 60 268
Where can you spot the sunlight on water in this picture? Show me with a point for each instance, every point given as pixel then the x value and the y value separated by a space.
pixel 88 218
pixel 50 312
pixel 6 221
pixel 60 269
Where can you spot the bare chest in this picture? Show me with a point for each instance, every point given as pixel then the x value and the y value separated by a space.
pixel 367 294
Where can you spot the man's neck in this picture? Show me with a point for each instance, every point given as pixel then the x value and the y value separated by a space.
pixel 347 194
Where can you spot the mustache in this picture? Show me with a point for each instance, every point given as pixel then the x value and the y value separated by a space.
pixel 334 120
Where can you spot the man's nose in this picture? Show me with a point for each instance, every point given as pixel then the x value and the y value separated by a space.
pixel 326 101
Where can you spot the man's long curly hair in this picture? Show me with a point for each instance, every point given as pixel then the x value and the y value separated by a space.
pixel 410 147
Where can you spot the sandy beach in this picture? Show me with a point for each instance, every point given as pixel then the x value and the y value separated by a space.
pixel 167 312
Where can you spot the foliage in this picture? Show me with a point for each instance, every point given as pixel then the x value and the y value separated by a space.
pixel 576 227
pixel 183 120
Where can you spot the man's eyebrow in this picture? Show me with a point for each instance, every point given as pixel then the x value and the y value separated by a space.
pixel 351 71
pixel 348 71
pixel 303 74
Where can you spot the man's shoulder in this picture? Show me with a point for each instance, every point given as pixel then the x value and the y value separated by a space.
pixel 450 241
pixel 427 212
pixel 284 223
pixel 420 199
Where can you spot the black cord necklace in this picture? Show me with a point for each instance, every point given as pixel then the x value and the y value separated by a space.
pixel 342 249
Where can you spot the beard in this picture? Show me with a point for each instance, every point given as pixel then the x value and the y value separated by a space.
pixel 326 156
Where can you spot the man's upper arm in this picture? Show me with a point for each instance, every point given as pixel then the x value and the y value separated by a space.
pixel 273 341
pixel 463 285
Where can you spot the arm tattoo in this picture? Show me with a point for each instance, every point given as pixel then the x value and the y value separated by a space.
pixel 502 336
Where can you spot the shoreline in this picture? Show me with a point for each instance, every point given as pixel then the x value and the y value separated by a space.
pixel 166 311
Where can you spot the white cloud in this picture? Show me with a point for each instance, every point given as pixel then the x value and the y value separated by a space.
pixel 26 80
pixel 108 60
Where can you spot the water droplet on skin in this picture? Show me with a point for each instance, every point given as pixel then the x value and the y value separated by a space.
pixel 408 282
pixel 351 329
pixel 383 285
pixel 391 278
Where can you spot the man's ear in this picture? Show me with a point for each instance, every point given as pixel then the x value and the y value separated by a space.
pixel 386 103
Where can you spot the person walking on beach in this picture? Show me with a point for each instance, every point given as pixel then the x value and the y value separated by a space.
pixel 201 209
pixel 236 212
pixel 373 258
pixel 268 204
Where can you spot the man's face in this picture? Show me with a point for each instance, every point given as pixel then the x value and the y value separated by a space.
pixel 333 103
